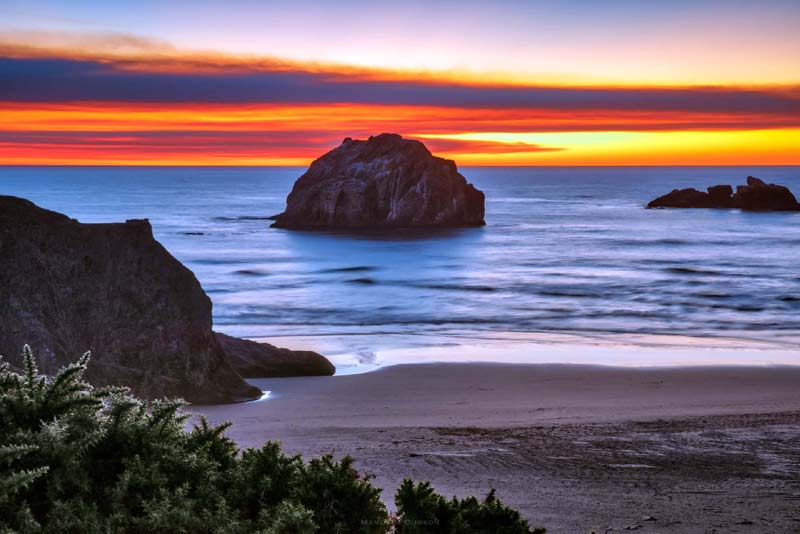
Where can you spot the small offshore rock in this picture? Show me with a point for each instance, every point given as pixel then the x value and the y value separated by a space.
pixel 252 359
pixel 755 196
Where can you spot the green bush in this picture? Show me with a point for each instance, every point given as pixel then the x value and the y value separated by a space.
pixel 77 459
pixel 423 511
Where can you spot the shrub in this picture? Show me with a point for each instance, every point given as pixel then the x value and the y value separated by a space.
pixel 77 459
pixel 421 510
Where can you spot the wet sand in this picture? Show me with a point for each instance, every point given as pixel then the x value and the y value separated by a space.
pixel 576 448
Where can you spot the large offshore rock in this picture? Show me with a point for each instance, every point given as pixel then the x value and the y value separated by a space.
pixel 383 182
pixel 755 196
pixel 67 287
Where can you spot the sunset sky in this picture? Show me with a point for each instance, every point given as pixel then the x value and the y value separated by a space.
pixel 485 83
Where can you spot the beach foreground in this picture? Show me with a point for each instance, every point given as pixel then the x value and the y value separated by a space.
pixel 575 448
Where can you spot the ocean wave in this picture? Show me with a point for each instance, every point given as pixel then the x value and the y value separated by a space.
pixel 241 218
pixel 570 294
pixel 251 272
pixel 692 270
pixel 710 295
pixel 457 287
pixel 249 260
pixel 671 241
pixel 356 269
pixel 363 281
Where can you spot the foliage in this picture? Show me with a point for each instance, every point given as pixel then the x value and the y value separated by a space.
pixel 77 459
pixel 421 510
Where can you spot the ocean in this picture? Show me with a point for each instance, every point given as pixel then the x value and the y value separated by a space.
pixel 569 268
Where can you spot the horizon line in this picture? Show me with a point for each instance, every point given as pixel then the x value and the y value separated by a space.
pixel 147 165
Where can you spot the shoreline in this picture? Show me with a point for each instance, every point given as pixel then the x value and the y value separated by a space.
pixel 500 395
pixel 548 348
pixel 697 448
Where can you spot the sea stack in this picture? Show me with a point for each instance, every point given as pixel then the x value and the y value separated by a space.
pixel 755 196
pixel 382 183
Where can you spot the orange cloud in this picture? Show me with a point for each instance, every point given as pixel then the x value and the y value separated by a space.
pixel 347 118
pixel 131 52
pixel 225 134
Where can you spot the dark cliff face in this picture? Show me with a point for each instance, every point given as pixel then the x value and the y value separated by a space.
pixel 383 182
pixel 755 196
pixel 262 360
pixel 67 287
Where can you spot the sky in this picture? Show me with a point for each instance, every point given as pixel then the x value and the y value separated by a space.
pixel 485 83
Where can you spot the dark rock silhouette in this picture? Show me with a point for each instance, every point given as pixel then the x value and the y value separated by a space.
pixel 258 360
pixel 383 182
pixel 755 196
pixel 720 195
pixel 683 198
pixel 758 196
pixel 67 287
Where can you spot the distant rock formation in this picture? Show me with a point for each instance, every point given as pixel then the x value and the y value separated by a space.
pixel 758 196
pixel 258 360
pixel 383 182
pixel 67 287
pixel 755 196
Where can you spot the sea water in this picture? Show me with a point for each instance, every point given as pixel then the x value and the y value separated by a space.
pixel 569 267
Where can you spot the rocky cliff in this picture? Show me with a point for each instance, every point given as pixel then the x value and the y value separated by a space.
pixel 383 182
pixel 755 196
pixel 67 287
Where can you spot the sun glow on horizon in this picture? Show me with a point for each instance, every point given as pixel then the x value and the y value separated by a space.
pixel 104 133
pixel 757 147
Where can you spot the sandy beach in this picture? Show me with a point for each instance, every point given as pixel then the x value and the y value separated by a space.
pixel 576 448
